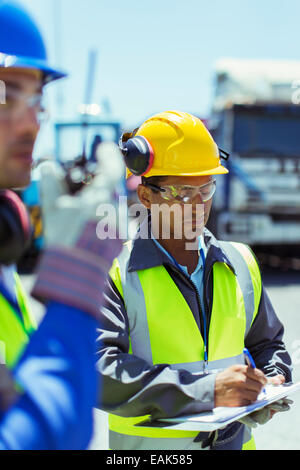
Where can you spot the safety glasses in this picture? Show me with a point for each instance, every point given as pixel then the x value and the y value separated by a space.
pixel 16 102
pixel 185 193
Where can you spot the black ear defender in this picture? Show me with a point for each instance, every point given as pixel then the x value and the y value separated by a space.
pixel 15 228
pixel 138 153
pixel 223 154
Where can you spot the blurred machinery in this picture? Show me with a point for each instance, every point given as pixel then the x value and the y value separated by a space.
pixel 79 170
pixel 76 144
pixel 256 117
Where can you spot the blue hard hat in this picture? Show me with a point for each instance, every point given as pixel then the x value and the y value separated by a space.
pixel 21 43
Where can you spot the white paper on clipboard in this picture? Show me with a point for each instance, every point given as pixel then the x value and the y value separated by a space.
pixel 221 416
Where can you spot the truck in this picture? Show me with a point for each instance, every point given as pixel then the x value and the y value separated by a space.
pixel 255 116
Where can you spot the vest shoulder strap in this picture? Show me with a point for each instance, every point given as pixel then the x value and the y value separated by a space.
pixel 28 319
pixel 248 274
pixel 118 270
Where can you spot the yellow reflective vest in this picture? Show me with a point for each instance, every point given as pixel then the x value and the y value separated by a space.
pixel 15 326
pixel 163 330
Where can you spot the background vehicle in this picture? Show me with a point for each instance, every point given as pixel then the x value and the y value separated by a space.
pixel 256 117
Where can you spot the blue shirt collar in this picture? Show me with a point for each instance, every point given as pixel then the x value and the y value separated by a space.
pixel 202 251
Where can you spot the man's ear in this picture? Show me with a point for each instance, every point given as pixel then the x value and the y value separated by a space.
pixel 144 195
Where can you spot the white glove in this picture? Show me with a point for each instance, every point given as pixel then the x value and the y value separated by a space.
pixel 74 266
pixel 65 215
pixel 264 415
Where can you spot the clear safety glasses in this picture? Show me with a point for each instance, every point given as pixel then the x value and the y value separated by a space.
pixel 16 103
pixel 185 193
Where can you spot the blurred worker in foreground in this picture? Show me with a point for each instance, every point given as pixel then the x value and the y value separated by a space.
pixel 178 315
pixel 48 392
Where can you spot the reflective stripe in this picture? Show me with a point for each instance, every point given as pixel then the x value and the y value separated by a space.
pixel 140 426
pixel 244 279
pixel 129 287
pixel 120 441
pixel 212 366
pixel 126 442
pixel 255 274
pixel 137 316
pixel 247 434
pixel 254 271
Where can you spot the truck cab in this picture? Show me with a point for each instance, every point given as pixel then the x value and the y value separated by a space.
pixel 255 119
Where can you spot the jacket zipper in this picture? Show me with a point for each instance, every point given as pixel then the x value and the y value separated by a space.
pixel 205 329
pixel 202 314
pixel 205 301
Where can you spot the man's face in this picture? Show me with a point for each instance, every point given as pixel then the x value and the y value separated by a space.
pixel 18 128
pixel 197 211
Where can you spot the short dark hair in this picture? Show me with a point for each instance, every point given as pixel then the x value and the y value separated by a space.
pixel 156 180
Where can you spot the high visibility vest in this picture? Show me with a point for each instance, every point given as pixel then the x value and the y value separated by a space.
pixel 163 330
pixel 15 329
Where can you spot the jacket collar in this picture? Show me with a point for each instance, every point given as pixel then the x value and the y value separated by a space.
pixel 145 254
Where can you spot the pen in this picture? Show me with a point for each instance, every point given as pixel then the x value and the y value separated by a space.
pixel 249 358
pixel 250 361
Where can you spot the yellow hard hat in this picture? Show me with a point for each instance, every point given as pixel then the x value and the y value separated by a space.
pixel 172 143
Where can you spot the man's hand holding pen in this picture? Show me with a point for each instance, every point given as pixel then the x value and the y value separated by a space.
pixel 238 385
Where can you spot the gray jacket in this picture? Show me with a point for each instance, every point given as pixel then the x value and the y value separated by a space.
pixel 132 387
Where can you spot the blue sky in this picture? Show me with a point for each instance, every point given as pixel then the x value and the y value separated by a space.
pixel 158 54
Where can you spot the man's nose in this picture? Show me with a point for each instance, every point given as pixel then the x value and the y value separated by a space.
pixel 197 199
pixel 28 122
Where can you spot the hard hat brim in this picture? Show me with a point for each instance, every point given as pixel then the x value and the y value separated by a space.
pixel 220 170
pixel 50 74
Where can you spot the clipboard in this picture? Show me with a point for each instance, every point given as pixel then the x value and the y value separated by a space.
pixel 222 416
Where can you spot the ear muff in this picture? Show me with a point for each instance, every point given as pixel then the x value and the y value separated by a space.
pixel 138 153
pixel 15 228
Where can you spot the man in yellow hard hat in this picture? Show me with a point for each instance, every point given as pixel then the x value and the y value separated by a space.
pixel 181 308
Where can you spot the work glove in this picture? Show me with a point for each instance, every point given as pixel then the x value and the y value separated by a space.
pixel 64 215
pixel 263 415
pixel 74 266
